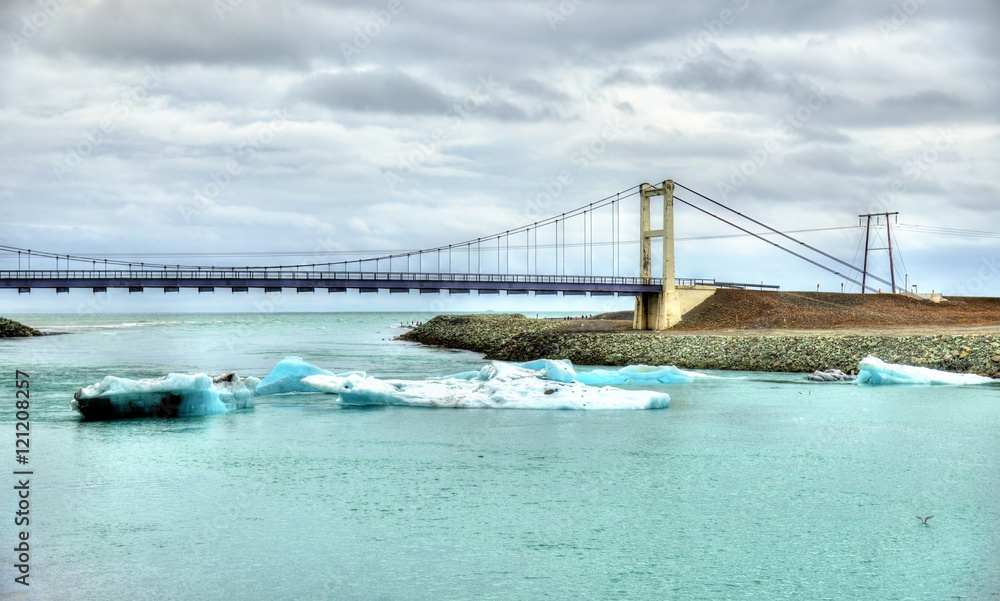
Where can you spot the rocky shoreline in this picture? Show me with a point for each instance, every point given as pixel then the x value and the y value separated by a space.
pixel 12 329
pixel 517 338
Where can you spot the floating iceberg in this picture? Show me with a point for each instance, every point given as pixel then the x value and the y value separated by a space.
pixel 174 395
pixel 287 376
pixel 561 370
pixel 497 385
pixel 872 370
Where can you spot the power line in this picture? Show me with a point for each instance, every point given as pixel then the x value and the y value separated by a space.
pixel 771 242
pixel 396 252
pixel 764 225
pixel 947 231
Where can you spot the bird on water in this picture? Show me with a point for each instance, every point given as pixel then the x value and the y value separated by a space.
pixel 924 520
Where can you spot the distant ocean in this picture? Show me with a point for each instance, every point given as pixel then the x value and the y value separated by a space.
pixel 749 486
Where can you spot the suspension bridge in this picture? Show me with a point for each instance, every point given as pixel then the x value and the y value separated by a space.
pixel 566 254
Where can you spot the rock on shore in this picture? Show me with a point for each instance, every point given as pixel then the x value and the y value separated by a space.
pixel 515 338
pixel 12 329
pixel 479 333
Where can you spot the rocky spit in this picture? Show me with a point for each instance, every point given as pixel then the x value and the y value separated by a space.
pixel 517 338
pixel 479 333
pixel 12 329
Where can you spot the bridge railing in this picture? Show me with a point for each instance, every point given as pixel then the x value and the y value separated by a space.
pixel 316 275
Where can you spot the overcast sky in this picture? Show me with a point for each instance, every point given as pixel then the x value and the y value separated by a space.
pixel 169 131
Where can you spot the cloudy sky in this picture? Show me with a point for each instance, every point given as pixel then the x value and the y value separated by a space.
pixel 266 132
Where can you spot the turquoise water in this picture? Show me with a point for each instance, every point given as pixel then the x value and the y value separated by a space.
pixel 751 486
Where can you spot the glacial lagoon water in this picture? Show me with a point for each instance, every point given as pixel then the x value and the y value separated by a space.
pixel 749 486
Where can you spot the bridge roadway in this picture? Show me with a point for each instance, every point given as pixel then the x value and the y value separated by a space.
pixel 275 280
pixel 241 280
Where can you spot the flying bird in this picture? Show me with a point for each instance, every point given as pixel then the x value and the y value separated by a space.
pixel 924 520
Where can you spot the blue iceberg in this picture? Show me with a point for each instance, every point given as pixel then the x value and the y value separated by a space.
pixel 173 395
pixel 557 370
pixel 497 385
pixel 874 371
pixel 561 370
pixel 287 376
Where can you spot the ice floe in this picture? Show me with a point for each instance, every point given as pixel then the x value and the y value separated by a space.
pixel 874 371
pixel 287 376
pixel 497 385
pixel 173 395
pixel 561 370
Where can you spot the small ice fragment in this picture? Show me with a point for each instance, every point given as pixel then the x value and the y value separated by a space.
pixel 829 375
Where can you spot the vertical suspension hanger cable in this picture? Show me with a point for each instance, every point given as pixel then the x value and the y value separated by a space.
pixel 618 225
pixel 591 239
pixel 557 245
pixel 536 248
pixel 562 244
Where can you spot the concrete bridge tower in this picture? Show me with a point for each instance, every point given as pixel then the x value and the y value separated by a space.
pixel 657 310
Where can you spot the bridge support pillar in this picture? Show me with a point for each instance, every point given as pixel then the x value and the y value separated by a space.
pixel 657 310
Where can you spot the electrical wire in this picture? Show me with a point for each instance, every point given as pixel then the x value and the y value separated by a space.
pixel 771 242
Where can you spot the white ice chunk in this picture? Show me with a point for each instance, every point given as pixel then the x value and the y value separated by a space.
pixel 557 370
pixel 561 370
pixel 287 375
pixel 497 385
pixel 872 370
pixel 174 395
pixel 637 374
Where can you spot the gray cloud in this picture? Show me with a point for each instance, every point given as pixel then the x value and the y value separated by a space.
pixel 718 73
pixel 378 90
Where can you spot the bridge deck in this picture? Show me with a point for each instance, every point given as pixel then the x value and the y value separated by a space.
pixel 267 279
pixel 273 280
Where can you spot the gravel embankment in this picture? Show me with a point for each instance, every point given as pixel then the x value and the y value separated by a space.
pixel 786 353
pixel 12 329
pixel 516 338
pixel 479 333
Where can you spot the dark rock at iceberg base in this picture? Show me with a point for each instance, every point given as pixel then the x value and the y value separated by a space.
pixel 166 405
pixel 170 396
pixel 12 329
